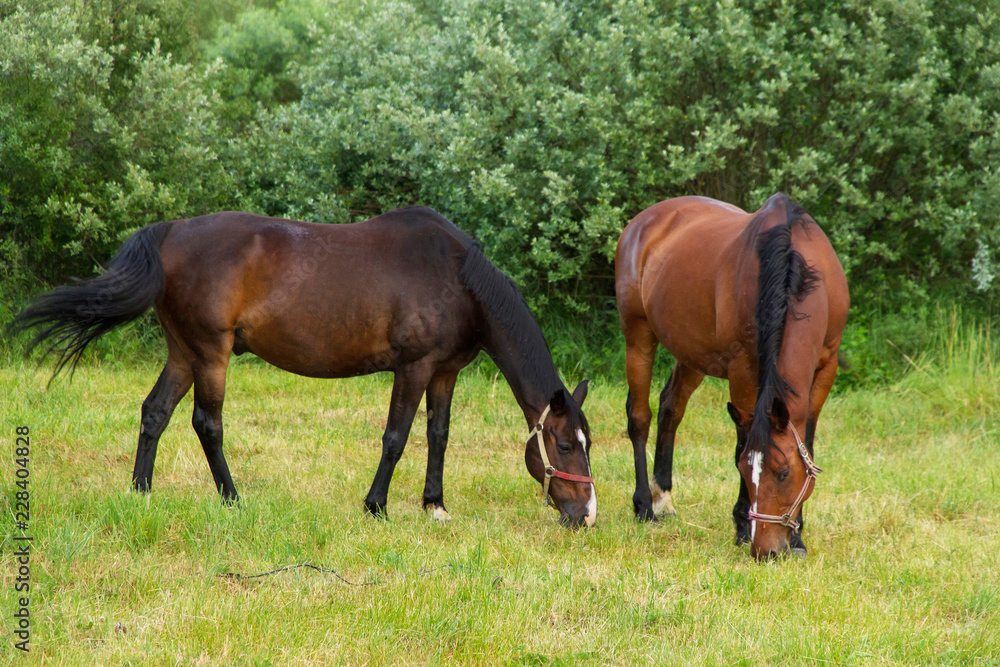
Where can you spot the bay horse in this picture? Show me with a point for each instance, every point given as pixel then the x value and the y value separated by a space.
pixel 759 299
pixel 406 292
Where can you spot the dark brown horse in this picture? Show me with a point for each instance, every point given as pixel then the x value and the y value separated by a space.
pixel 759 299
pixel 406 292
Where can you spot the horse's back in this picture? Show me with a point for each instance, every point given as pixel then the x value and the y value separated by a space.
pixel 686 270
pixel 671 260
pixel 315 299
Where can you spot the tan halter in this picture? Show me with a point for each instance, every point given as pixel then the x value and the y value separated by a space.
pixel 550 470
pixel 812 470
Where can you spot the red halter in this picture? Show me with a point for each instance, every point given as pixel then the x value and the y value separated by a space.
pixel 550 470
pixel 812 470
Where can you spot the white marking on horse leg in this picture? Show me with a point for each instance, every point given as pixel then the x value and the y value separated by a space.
pixel 441 514
pixel 662 501
pixel 755 460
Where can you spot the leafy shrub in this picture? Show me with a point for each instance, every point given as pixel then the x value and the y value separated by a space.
pixel 258 49
pixel 543 127
pixel 539 127
pixel 100 132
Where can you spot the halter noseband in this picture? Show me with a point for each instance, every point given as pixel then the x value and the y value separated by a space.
pixel 812 470
pixel 550 470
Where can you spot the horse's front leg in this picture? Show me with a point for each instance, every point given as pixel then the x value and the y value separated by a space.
pixel 407 388
pixel 439 393
pixel 741 520
pixel 822 383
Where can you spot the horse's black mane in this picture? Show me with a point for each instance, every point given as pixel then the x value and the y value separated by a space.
pixel 784 276
pixel 516 334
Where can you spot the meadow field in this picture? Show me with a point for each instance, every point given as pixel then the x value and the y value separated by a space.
pixel 903 531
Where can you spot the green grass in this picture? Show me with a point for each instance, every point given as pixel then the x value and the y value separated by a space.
pixel 903 531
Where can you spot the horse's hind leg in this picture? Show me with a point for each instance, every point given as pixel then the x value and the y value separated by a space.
pixel 407 388
pixel 822 383
pixel 673 402
pixel 640 352
pixel 209 394
pixel 170 387
pixel 439 393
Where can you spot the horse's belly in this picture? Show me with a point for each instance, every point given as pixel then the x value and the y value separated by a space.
pixel 330 354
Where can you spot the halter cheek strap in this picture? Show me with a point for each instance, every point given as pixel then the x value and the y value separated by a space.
pixel 550 470
pixel 812 471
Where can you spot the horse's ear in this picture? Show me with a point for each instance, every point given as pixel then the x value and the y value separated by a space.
pixel 779 414
pixel 734 414
pixel 558 402
pixel 580 393
pixel 740 418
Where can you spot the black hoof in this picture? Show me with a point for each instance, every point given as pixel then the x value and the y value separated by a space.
pixel 141 485
pixel 645 514
pixel 796 547
pixel 376 510
pixel 742 526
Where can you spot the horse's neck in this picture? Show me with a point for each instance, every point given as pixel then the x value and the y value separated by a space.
pixel 533 379
pixel 797 359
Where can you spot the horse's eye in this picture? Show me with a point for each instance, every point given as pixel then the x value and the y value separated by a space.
pixel 781 476
pixel 564 447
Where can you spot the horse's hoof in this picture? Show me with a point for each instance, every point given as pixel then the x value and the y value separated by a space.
pixel 376 510
pixel 797 552
pixel 440 514
pixel 662 505
pixel 140 487
pixel 645 514
pixel 742 539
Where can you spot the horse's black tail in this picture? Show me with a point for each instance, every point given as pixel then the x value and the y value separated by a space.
pixel 784 275
pixel 70 317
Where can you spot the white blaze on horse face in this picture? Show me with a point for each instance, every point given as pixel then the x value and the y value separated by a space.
pixel 755 461
pixel 591 517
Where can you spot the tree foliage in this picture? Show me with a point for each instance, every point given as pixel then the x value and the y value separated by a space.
pixel 541 127
pixel 101 130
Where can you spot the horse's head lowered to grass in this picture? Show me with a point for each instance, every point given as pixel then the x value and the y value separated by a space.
pixel 557 454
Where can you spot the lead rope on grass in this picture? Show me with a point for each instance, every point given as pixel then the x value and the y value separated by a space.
pixel 323 570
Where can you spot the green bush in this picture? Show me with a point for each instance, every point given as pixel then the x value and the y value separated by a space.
pixel 258 50
pixel 543 127
pixel 101 132
pixel 539 127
